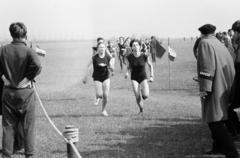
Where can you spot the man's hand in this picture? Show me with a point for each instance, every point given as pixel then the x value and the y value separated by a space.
pixel 84 80
pixel 126 75
pixel 24 83
pixel 5 81
pixel 203 94
pixel 151 79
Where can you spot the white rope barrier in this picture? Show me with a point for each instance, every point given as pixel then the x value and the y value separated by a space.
pixel 56 129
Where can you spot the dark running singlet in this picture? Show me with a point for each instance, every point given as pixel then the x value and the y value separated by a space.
pixel 137 66
pixel 101 67
pixel 121 49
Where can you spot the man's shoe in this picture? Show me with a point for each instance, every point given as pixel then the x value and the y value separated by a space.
pixel 213 152
pixel 6 156
pixel 96 102
pixel 18 151
pixel 104 113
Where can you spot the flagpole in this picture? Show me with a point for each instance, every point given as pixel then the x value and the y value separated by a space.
pixel 155 66
pixel 169 68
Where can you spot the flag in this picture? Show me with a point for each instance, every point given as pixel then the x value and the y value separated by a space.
pixel 40 52
pixel 160 50
pixel 171 54
pixel 156 49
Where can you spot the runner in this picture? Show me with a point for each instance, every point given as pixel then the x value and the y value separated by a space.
pixel 136 65
pixel 101 62
pixel 121 52
pixel 112 50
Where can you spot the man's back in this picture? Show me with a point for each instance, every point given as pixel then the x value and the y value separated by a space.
pixel 216 74
pixel 222 54
pixel 17 62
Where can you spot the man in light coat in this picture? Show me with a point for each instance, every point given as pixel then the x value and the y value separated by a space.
pixel 216 74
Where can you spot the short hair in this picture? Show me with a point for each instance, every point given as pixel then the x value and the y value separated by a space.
pixel 18 30
pixel 135 40
pixel 153 37
pixel 109 41
pixel 236 26
pixel 100 44
pixel 99 39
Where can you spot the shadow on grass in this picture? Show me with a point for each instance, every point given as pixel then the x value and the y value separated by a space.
pixel 80 115
pixel 169 138
pixel 75 115
pixel 192 91
pixel 58 152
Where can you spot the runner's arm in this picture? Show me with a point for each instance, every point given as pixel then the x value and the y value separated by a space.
pixel 151 68
pixel 88 68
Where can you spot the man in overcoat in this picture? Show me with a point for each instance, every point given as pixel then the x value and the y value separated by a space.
pixel 216 74
pixel 233 123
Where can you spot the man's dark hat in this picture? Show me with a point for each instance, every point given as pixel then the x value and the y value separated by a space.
pixel 236 26
pixel 207 29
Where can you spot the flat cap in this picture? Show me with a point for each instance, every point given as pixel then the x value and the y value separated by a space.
pixel 207 29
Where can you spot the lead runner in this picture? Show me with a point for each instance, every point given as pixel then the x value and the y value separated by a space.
pixel 136 62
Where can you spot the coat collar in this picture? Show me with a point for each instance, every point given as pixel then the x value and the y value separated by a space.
pixel 210 36
pixel 19 42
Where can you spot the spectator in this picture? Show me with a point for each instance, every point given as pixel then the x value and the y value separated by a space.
pixel 19 66
pixel 216 73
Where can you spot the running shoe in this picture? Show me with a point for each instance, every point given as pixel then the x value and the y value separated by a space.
pixel 104 113
pixel 97 101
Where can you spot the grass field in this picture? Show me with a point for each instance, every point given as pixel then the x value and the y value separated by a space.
pixel 170 127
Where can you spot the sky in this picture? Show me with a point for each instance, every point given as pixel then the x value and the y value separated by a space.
pixel 89 19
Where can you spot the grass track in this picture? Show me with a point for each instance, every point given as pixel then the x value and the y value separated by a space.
pixel 169 128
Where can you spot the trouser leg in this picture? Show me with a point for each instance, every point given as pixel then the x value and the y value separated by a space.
pixel 8 139
pixel 120 62
pixel 19 138
pixel 222 139
pixel 29 128
pixel 233 122
pixel 9 123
